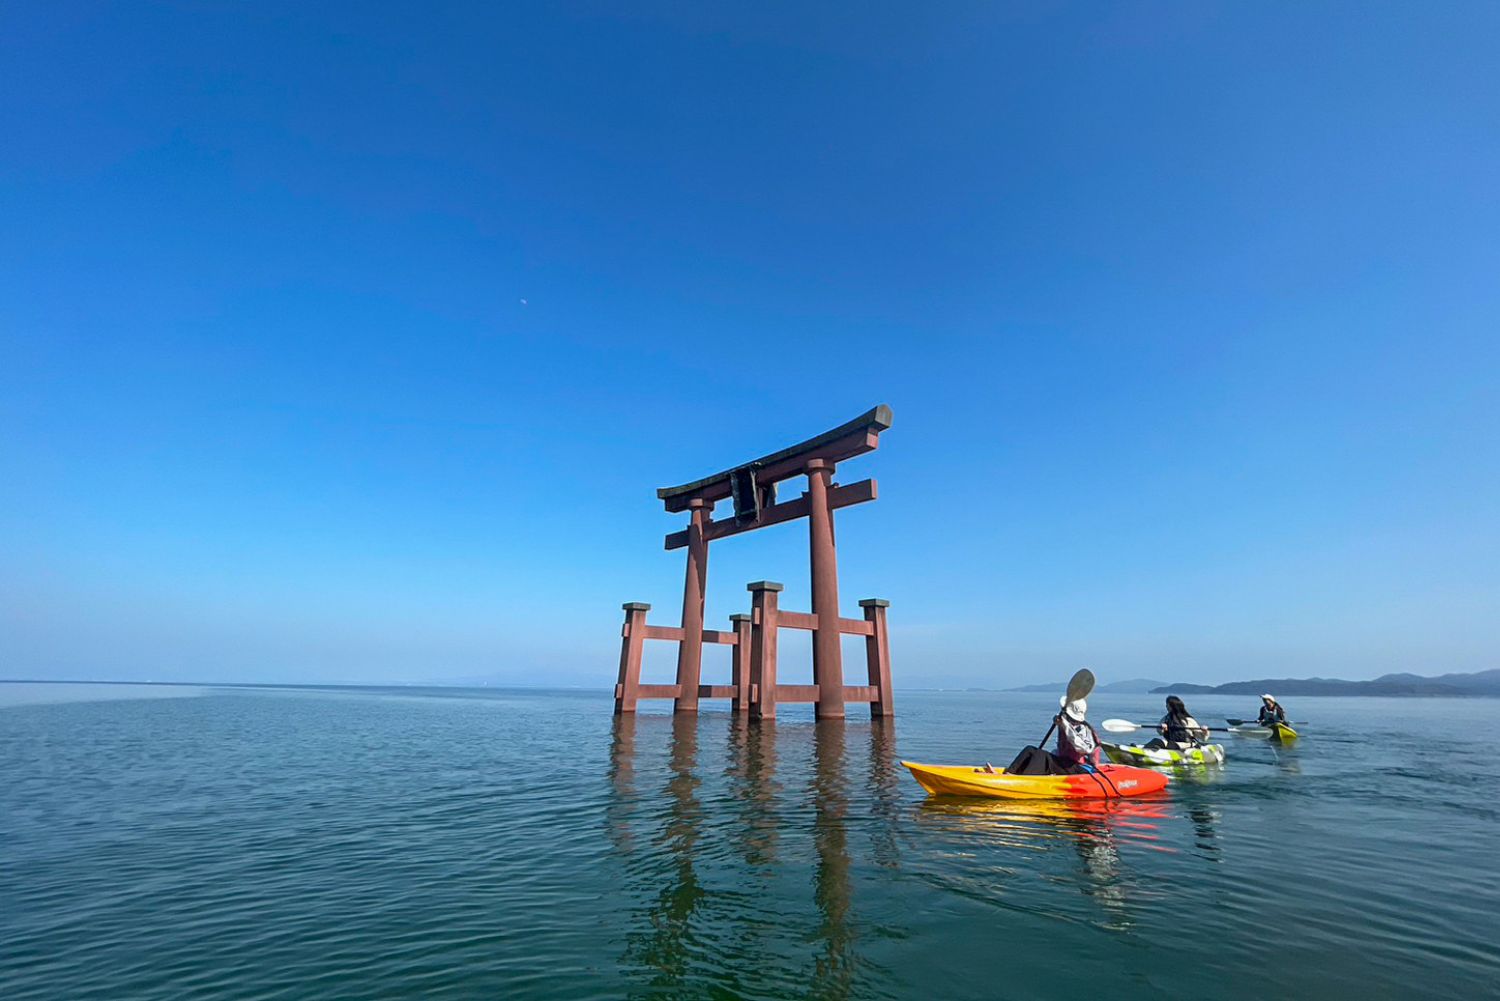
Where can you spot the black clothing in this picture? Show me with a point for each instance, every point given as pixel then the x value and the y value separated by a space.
pixel 1269 715
pixel 1034 760
pixel 1178 733
pixel 1182 730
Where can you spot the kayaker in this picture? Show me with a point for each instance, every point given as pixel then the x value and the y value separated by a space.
pixel 1077 740
pixel 1077 745
pixel 1270 711
pixel 1178 728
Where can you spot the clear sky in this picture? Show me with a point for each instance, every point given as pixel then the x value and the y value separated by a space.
pixel 348 342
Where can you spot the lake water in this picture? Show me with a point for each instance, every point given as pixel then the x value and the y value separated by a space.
pixel 361 843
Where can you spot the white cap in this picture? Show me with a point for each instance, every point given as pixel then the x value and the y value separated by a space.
pixel 1077 709
pixel 1267 698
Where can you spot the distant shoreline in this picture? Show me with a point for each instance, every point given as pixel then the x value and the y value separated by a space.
pixel 303 684
pixel 1480 684
pixel 1354 690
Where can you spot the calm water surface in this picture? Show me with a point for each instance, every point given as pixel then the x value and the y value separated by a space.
pixel 244 843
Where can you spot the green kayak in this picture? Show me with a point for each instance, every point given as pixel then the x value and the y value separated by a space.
pixel 1139 754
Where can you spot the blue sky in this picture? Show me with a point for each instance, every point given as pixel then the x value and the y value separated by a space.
pixel 349 342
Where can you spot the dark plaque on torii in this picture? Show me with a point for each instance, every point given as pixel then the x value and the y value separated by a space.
pixel 752 488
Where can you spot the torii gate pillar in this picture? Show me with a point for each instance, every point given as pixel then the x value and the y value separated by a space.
pixel 694 588
pixel 828 660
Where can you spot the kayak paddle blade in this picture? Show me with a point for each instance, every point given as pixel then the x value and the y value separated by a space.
pixel 1081 684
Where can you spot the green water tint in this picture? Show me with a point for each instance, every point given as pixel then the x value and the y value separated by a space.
pixel 470 844
pixel 754 799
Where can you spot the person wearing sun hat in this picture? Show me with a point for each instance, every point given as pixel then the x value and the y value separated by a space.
pixel 1270 711
pixel 1077 745
pixel 1077 741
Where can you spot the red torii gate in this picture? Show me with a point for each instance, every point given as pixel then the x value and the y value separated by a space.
pixel 752 487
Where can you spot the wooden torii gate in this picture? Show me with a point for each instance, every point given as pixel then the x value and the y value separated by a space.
pixel 752 488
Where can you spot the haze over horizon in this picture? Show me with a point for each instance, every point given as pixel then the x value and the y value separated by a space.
pixel 349 343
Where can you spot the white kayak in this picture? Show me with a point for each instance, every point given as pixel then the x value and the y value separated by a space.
pixel 1140 754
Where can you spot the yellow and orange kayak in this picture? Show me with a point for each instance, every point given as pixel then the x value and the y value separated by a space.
pixel 965 780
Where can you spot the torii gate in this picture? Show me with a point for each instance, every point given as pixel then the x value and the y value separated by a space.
pixel 752 487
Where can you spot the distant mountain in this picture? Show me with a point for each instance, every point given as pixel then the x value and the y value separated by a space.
pixel 1483 683
pixel 1135 686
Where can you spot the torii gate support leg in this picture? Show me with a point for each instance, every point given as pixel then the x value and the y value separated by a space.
pixel 632 638
pixel 878 656
pixel 690 650
pixel 764 599
pixel 741 703
pixel 828 666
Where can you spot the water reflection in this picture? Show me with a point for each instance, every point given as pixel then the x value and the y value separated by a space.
pixel 1020 823
pixel 706 827
pixel 751 772
pixel 622 779
pixel 1205 826
pixel 667 870
pixel 1095 830
pixel 1199 775
pixel 834 966
pixel 1286 759
pixel 885 792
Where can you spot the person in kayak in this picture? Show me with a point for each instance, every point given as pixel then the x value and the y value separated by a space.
pixel 1270 711
pixel 1178 729
pixel 1077 746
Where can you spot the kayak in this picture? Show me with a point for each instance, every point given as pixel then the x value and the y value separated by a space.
pixel 1283 733
pixel 965 780
pixel 1139 754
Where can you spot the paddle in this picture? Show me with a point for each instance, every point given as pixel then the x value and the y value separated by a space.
pixel 1080 685
pixel 1251 722
pixel 1125 726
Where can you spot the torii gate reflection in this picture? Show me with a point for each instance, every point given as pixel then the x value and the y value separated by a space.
pixel 677 855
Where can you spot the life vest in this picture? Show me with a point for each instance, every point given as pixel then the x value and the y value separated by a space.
pixel 1272 714
pixel 1180 730
pixel 1075 741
